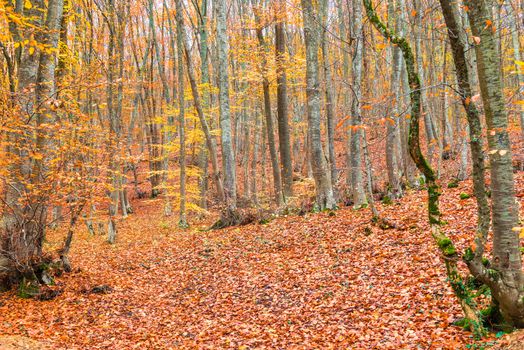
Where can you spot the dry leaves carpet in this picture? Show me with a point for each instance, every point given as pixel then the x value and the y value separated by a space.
pixel 317 281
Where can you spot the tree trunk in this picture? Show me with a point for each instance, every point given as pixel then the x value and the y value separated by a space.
pixel 271 142
pixel 392 123
pixel 330 112
pixel 228 156
pixel 210 142
pixel 23 234
pixel 431 138
pixel 507 279
pixel 282 102
pixel 324 189
pixel 357 181
pixel 181 116
pixel 447 249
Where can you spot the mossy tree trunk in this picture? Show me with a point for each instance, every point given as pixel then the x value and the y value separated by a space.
pixel 445 245
pixel 506 278
pixel 458 46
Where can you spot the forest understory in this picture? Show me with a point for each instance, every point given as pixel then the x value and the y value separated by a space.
pixel 327 280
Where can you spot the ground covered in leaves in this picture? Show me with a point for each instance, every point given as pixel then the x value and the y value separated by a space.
pixel 318 281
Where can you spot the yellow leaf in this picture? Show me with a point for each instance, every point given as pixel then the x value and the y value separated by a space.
pixel 520 230
pixel 520 63
pixel 38 156
pixel 31 50
pixel 28 5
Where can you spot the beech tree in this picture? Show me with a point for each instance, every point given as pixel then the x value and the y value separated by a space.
pixel 324 188
pixel 25 219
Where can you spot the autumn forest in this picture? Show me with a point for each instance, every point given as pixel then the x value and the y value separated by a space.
pixel 261 174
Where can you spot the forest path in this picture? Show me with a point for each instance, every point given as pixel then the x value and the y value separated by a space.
pixel 318 281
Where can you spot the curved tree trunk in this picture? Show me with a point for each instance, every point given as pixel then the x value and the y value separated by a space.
pixel 447 249
pixel 506 280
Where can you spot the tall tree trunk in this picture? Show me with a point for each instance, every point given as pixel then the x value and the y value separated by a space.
pixel 447 249
pixel 23 233
pixel 392 123
pixel 277 182
pixel 355 168
pixel 181 116
pixel 204 67
pixel 324 189
pixel 228 156
pixel 458 47
pixel 431 138
pixel 199 106
pixel 506 280
pixel 282 100
pixel 330 108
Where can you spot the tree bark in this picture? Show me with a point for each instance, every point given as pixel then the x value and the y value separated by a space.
pixel 447 249
pixel 271 142
pixel 507 281
pixel 228 156
pixel 23 235
pixel 282 101
pixel 182 222
pixel 324 189
pixel 357 179
pixel 330 108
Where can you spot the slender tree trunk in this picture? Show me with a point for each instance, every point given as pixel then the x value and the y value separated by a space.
pixel 357 181
pixel 282 101
pixel 392 123
pixel 277 182
pixel 447 249
pixel 324 188
pixel 330 108
pixel 431 138
pixel 459 48
pixel 210 142
pixel 181 116
pixel 228 156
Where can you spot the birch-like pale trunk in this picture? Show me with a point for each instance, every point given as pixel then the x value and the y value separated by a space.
pixel 182 222
pixel 506 279
pixel 324 190
pixel 355 168
pixel 392 122
pixel 328 89
pixel 228 156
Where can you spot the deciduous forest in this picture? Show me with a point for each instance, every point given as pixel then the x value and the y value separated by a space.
pixel 261 174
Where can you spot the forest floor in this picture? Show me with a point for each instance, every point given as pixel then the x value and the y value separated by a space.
pixel 316 281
